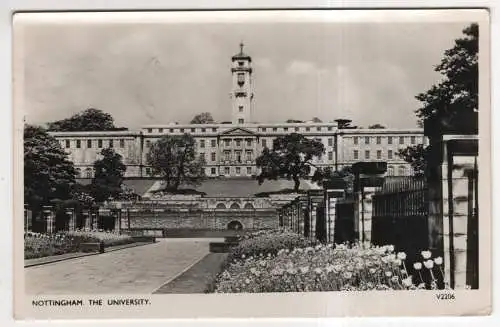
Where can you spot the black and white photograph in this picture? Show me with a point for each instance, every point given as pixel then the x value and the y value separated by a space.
pixel 271 152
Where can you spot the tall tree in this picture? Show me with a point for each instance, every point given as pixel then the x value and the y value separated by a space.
pixel 294 121
pixel 376 126
pixel 451 104
pixel 291 157
pixel 174 159
pixel 317 120
pixel 88 120
pixel 108 178
pixel 48 174
pixel 203 118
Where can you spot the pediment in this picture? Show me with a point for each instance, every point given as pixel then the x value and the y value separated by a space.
pixel 238 131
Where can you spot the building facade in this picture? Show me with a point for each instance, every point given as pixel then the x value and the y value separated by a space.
pixel 230 150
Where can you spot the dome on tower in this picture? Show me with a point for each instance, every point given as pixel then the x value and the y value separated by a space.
pixel 241 55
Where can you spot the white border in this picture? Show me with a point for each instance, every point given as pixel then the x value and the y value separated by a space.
pixel 6 166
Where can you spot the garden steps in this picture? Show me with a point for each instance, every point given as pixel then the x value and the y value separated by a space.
pixel 75 255
pixel 197 279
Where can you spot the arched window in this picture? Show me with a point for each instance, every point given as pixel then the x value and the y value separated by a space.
pixel 220 206
pixel 235 206
pixel 235 225
pixel 390 171
pixel 88 172
pixel 248 206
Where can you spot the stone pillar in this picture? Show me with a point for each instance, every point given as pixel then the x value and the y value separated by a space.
pixel 117 215
pixel 71 219
pixel 456 196
pixel 331 215
pixel 87 220
pixel 94 219
pixel 366 213
pixel 49 219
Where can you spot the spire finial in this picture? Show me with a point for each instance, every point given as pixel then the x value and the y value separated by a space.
pixel 241 46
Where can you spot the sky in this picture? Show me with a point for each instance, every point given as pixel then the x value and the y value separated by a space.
pixel 157 73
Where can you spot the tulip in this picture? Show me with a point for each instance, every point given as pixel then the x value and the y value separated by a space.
pixel 388 273
pixel 426 254
pixel 438 261
pixel 429 264
pixel 407 282
pixel 401 256
pixel 417 265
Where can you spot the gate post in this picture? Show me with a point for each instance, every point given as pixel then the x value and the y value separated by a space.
pixel 368 176
pixel 72 219
pixel 49 219
pixel 459 158
pixel 334 190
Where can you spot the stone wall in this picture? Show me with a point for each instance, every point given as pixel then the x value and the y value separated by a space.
pixel 202 219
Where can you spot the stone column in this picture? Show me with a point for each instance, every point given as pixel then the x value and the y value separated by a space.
pixel 71 219
pixel 117 215
pixel 86 220
pixel 331 213
pixel 49 218
pixel 366 208
pixel 455 213
pixel 95 223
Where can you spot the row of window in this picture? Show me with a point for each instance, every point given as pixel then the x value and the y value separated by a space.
pixel 295 129
pixel 401 171
pixel 390 154
pixel 378 139
pixel 213 171
pixel 90 143
pixel 241 121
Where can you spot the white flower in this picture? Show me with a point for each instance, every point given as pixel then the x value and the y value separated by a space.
pixel 390 248
pixel 417 265
pixel 398 262
pixel 372 270
pixel 426 254
pixel 429 264
pixel 394 279
pixel 438 261
pixel 318 271
pixel 247 281
pixel 242 256
pixel 401 255
pixel 388 273
pixel 304 270
pixel 407 282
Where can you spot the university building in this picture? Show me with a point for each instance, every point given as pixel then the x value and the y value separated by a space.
pixel 230 150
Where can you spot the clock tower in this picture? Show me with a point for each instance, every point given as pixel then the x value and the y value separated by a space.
pixel 242 92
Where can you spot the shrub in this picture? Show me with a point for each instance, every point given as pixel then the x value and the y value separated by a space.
pixel 265 242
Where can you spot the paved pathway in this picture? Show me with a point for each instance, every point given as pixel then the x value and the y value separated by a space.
pixel 138 270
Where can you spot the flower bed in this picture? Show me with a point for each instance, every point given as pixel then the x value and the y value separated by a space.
pixel 254 268
pixel 267 241
pixel 37 245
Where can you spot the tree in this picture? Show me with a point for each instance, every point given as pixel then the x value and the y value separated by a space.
pixel 294 121
pixel 417 156
pixel 48 174
pixel 291 157
pixel 203 118
pixel 108 178
pixel 88 120
pixel 316 120
pixel 174 159
pixel 451 104
pixel 376 126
